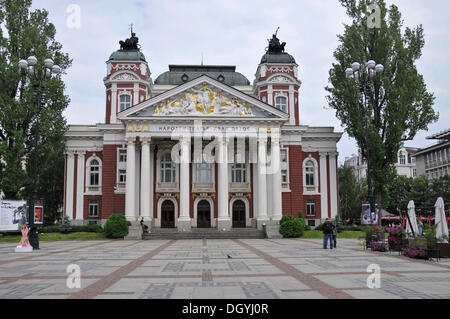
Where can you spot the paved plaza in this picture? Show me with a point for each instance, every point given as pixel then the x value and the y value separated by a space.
pixel 216 269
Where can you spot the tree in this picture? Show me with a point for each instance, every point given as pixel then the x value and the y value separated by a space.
pixel 351 193
pixel 29 33
pixel 399 103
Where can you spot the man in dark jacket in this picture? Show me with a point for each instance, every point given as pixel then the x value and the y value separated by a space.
pixel 327 234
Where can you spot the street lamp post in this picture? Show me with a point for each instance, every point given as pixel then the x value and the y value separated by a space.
pixel 37 76
pixel 365 74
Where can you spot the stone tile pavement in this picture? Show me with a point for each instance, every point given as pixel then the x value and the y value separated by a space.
pixel 216 269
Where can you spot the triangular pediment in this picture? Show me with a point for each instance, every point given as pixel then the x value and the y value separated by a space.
pixel 203 97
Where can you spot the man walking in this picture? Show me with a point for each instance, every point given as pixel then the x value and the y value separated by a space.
pixel 327 234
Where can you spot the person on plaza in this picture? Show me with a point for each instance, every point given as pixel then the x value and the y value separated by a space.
pixel 420 227
pixel 333 224
pixel 145 227
pixel 327 234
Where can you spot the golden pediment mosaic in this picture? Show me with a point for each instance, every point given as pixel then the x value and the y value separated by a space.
pixel 204 101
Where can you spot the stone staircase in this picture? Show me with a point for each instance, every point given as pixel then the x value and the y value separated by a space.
pixel 206 233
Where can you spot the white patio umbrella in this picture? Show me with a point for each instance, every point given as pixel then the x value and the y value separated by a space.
pixel 412 218
pixel 442 228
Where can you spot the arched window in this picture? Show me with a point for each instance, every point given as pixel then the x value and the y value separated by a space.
pixel 281 103
pixel 309 172
pixel 167 169
pixel 124 102
pixel 94 173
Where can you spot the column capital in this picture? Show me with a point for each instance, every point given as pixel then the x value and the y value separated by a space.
pixel 323 154
pixel 82 153
pixel 130 140
pixel 70 153
pixel 185 140
pixel 146 140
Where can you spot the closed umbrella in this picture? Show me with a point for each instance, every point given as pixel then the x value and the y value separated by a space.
pixel 412 219
pixel 440 220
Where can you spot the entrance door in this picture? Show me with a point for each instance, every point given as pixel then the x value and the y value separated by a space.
pixel 239 214
pixel 203 214
pixel 167 214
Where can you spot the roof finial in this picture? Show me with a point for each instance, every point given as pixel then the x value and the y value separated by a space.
pixel 202 58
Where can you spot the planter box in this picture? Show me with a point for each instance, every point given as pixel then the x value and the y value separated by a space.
pixel 444 250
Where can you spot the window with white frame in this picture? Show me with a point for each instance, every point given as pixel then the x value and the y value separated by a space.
pixel 167 169
pixel 94 173
pixel 284 166
pixel 414 172
pixel 283 155
pixel 284 176
pixel 402 159
pixel 281 103
pixel 310 208
pixel 122 156
pixel 309 173
pixel 238 173
pixel 122 179
pixel 124 102
pixel 203 173
pixel 93 208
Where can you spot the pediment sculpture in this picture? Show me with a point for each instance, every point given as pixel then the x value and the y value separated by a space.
pixel 203 101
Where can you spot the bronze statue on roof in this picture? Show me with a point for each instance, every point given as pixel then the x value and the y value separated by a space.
pixel 274 44
pixel 131 43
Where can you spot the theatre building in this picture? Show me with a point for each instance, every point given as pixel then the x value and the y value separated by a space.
pixel 201 147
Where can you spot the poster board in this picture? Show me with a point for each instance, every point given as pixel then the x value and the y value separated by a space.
pixel 38 208
pixel 7 209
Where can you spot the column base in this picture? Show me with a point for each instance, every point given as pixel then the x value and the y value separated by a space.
pixel 224 224
pixel 261 222
pixel 184 225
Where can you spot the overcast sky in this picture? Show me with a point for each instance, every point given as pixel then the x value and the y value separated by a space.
pixel 235 32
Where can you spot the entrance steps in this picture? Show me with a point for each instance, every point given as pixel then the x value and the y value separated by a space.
pixel 204 233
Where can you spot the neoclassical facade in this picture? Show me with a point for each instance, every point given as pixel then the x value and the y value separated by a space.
pixel 201 147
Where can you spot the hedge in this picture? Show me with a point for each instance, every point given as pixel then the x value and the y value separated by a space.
pixel 116 226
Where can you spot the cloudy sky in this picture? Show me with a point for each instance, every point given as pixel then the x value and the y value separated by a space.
pixel 235 32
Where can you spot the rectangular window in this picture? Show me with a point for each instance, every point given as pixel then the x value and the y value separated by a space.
pixel 122 176
pixel 414 172
pixel 283 155
pixel 125 102
pixel 284 176
pixel 93 208
pixel 310 208
pixel 122 156
pixel 402 160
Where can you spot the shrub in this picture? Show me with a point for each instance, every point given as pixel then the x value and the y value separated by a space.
pixel 286 218
pixel 292 228
pixel 116 226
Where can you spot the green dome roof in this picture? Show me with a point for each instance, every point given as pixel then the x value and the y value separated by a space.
pixel 275 57
pixel 128 55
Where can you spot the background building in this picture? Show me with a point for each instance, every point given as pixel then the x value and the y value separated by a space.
pixel 434 161
pixel 405 163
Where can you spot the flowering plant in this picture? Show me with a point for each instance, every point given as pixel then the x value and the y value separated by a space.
pixel 414 252
pixel 377 246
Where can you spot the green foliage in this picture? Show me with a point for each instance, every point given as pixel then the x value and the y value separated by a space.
pixel 286 218
pixel 292 228
pixel 399 103
pixel 351 193
pixel 27 33
pixel 93 228
pixel 116 226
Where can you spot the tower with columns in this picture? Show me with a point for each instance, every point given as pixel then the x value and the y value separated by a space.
pixel 150 158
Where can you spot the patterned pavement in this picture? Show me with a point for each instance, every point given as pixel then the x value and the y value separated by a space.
pixel 217 269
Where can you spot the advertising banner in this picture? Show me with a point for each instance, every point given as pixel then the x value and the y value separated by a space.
pixel 9 208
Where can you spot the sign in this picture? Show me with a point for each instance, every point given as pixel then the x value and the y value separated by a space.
pixel 8 208
pixel 38 213
pixel 368 217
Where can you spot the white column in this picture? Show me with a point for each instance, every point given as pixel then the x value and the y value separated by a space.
pixel 130 190
pixel 276 180
pixel 136 94
pixel 291 105
pixel 223 221
pixel 113 103
pixel 145 180
pixel 70 184
pixel 80 186
pixel 323 186
pixel 270 94
pixel 262 182
pixel 184 220
pixel 333 185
